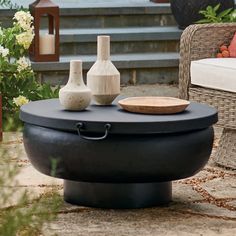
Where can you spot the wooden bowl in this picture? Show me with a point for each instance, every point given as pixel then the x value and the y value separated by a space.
pixel 154 105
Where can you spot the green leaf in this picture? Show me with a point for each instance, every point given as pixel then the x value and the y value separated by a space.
pixel 203 21
pixel 216 8
pixel 211 16
pixel 224 13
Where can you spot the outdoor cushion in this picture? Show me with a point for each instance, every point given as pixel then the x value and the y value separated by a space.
pixel 215 73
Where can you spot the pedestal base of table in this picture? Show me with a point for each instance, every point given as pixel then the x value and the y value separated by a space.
pixel 117 195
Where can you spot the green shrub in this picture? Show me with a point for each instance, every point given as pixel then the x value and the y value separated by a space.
pixel 9 4
pixel 26 217
pixel 18 84
pixel 211 15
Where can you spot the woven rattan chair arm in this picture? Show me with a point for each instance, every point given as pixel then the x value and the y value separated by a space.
pixel 198 42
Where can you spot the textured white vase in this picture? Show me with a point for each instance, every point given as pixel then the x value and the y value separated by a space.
pixel 75 95
pixel 103 78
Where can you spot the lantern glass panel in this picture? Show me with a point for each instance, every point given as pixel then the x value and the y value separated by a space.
pixel 47 35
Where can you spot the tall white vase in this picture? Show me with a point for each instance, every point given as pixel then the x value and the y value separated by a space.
pixel 75 95
pixel 103 78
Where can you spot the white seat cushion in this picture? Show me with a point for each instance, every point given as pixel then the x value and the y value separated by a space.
pixel 215 73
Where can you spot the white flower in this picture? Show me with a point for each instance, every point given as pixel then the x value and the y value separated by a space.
pixel 23 64
pixel 4 51
pixel 24 19
pixel 25 39
pixel 20 100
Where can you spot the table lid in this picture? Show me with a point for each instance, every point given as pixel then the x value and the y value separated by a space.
pixel 49 113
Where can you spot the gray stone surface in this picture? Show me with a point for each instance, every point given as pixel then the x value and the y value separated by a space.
pixel 148 222
pixel 121 34
pixel 121 61
pixel 105 6
pixel 105 12
pixel 102 20
pixel 150 90
pixel 117 47
pixel 233 203
pixel 30 177
pixel 128 76
pixel 184 193
pixel 123 40
pixel 210 210
pixel 148 68
pixel 220 189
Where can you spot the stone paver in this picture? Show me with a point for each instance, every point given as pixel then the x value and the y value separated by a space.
pixel 219 188
pixel 184 192
pixel 31 177
pixel 148 222
pixel 202 205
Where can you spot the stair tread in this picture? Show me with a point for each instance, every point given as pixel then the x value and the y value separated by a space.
pixel 124 7
pixel 87 7
pixel 113 3
pixel 120 34
pixel 131 60
pixel 122 30
pixel 94 3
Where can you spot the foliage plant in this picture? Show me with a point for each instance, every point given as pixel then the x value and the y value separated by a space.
pixel 18 84
pixel 9 4
pixel 24 217
pixel 212 15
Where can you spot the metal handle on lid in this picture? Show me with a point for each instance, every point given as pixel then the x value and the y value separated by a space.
pixel 80 125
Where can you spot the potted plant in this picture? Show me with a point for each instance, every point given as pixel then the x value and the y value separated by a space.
pixel 186 12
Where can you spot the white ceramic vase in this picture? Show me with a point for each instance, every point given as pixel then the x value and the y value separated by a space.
pixel 103 78
pixel 75 95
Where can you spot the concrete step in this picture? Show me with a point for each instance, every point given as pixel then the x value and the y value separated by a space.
pixel 123 40
pixel 144 39
pixel 135 68
pixel 103 14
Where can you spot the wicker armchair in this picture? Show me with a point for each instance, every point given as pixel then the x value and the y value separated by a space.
pixel 203 41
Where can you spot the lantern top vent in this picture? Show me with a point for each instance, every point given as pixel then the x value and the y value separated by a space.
pixel 43 4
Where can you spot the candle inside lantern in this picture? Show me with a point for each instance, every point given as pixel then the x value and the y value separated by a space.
pixel 47 44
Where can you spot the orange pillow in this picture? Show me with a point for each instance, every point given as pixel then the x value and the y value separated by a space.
pixel 232 47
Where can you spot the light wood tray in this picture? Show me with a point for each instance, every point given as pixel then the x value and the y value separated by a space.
pixel 154 105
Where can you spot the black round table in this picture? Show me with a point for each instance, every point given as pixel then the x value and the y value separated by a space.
pixel 111 158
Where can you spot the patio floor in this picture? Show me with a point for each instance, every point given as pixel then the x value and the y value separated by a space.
pixel 202 205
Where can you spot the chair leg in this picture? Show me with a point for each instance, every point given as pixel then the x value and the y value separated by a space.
pixel 226 152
